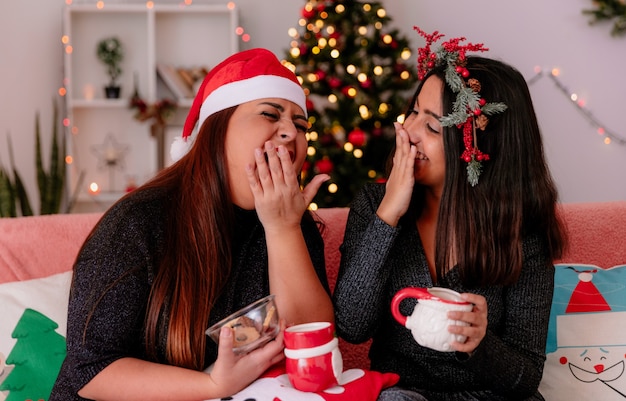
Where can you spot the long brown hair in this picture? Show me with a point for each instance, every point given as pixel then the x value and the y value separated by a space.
pixel 197 258
pixel 483 226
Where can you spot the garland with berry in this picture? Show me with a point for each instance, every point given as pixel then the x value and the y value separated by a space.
pixel 609 10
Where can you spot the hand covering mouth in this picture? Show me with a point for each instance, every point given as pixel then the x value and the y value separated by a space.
pixel 292 156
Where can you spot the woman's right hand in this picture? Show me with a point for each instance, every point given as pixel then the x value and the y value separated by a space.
pixel 231 373
pixel 399 187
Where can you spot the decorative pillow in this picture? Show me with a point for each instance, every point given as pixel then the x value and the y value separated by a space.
pixel 32 336
pixel 356 385
pixel 587 335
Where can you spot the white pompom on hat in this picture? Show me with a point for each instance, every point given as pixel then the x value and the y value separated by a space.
pixel 243 77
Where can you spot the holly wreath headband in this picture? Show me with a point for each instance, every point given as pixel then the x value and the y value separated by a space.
pixel 469 111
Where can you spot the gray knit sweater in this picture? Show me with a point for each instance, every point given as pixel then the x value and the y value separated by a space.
pixel 378 260
pixel 116 268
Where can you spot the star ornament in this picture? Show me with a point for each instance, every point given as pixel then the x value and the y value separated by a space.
pixel 110 153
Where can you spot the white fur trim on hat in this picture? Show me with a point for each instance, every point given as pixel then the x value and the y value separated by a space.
pixel 258 87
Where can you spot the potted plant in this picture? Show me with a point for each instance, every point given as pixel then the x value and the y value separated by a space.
pixel 111 53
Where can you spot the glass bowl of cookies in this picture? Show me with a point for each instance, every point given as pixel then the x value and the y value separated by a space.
pixel 253 326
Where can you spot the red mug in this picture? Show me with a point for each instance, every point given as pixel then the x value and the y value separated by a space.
pixel 312 358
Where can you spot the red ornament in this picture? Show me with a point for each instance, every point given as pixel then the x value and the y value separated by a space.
pixel 366 84
pixel 346 91
pixel 328 140
pixel 334 82
pixel 309 104
pixel 357 137
pixel 308 14
pixel 324 166
pixel 320 74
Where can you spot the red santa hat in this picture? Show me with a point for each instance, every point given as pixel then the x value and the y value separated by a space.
pixel 243 77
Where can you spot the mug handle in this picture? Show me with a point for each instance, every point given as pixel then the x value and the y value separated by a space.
pixel 408 292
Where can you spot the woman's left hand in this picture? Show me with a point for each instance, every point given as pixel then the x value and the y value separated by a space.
pixel 278 198
pixel 477 319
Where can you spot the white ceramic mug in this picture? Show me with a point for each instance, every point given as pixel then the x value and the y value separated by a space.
pixel 429 321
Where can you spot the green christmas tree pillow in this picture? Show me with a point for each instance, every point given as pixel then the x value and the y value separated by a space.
pixel 33 321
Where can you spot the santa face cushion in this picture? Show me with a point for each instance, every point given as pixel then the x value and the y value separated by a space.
pixel 586 345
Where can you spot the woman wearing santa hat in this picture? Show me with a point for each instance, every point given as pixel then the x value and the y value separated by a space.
pixel 224 226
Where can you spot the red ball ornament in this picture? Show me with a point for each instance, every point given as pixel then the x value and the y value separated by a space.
pixel 328 140
pixel 477 112
pixel 465 73
pixel 308 13
pixel 482 102
pixel 346 91
pixel 320 74
pixel 324 166
pixel 357 137
pixel 334 82
pixel 366 84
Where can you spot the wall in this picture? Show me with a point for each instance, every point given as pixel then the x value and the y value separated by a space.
pixel 528 34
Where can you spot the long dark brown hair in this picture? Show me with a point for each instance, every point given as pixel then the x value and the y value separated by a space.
pixel 197 258
pixel 483 226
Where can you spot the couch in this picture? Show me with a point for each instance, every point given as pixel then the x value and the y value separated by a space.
pixel 42 247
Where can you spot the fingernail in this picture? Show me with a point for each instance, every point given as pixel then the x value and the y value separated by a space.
pixel 258 152
pixel 226 331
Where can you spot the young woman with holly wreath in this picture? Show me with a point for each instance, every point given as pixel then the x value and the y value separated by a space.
pixel 481 221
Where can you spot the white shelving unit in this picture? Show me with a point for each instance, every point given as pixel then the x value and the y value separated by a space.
pixel 178 35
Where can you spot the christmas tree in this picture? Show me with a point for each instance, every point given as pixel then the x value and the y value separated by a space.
pixel 355 72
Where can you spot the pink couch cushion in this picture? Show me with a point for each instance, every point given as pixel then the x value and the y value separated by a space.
pixel 39 246
pixel 597 233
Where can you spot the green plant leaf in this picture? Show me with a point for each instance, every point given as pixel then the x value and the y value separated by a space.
pixel 19 189
pixel 7 195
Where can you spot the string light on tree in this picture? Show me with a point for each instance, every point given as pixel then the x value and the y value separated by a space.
pixel 356 72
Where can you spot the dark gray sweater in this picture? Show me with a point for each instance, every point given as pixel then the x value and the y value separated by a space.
pixel 378 260
pixel 116 268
